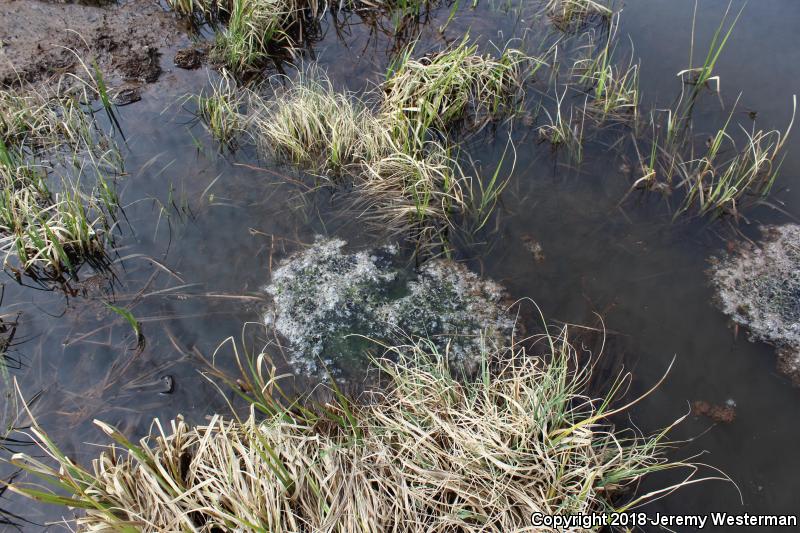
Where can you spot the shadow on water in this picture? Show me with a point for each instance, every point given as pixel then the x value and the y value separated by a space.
pixel 205 230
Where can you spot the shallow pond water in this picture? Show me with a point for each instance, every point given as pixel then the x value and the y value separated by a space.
pixel 205 228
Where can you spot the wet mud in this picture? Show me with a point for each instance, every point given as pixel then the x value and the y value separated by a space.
pixel 41 41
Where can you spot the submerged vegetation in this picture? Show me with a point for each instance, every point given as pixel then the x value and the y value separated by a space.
pixel 403 128
pixel 721 179
pixel 254 25
pixel 758 287
pixel 700 76
pixel 8 330
pixel 57 166
pixel 564 130
pixel 253 30
pixel 428 452
pixel 614 87
pixel 327 303
pixel 221 109
pixel 725 174
pixel 11 416
pixel 717 185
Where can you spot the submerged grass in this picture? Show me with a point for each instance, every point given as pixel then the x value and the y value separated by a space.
pixel 564 129
pixel 717 185
pixel 252 26
pixel 8 330
pixel 700 76
pixel 679 116
pixel 54 233
pixel 51 219
pixel 220 109
pixel 427 453
pixel 204 8
pixel 415 196
pixel 11 415
pixel 724 177
pixel 614 88
pixel 407 189
pixel 251 31
pixel 38 121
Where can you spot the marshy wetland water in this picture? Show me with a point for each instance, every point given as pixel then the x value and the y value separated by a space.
pixel 205 226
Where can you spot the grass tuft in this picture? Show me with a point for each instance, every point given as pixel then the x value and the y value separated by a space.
pixel 564 130
pixel 252 28
pixel 614 88
pixel 220 109
pixel 700 76
pixel 314 126
pixel 416 196
pixel 724 176
pixel 717 185
pixel 438 91
pixel 398 154
pixel 428 452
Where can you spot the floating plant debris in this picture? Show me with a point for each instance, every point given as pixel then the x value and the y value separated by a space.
pixel 759 288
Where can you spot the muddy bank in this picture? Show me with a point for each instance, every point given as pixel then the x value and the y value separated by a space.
pixel 758 286
pixel 127 40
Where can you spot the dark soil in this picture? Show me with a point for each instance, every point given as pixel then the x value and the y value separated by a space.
pixel 124 39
